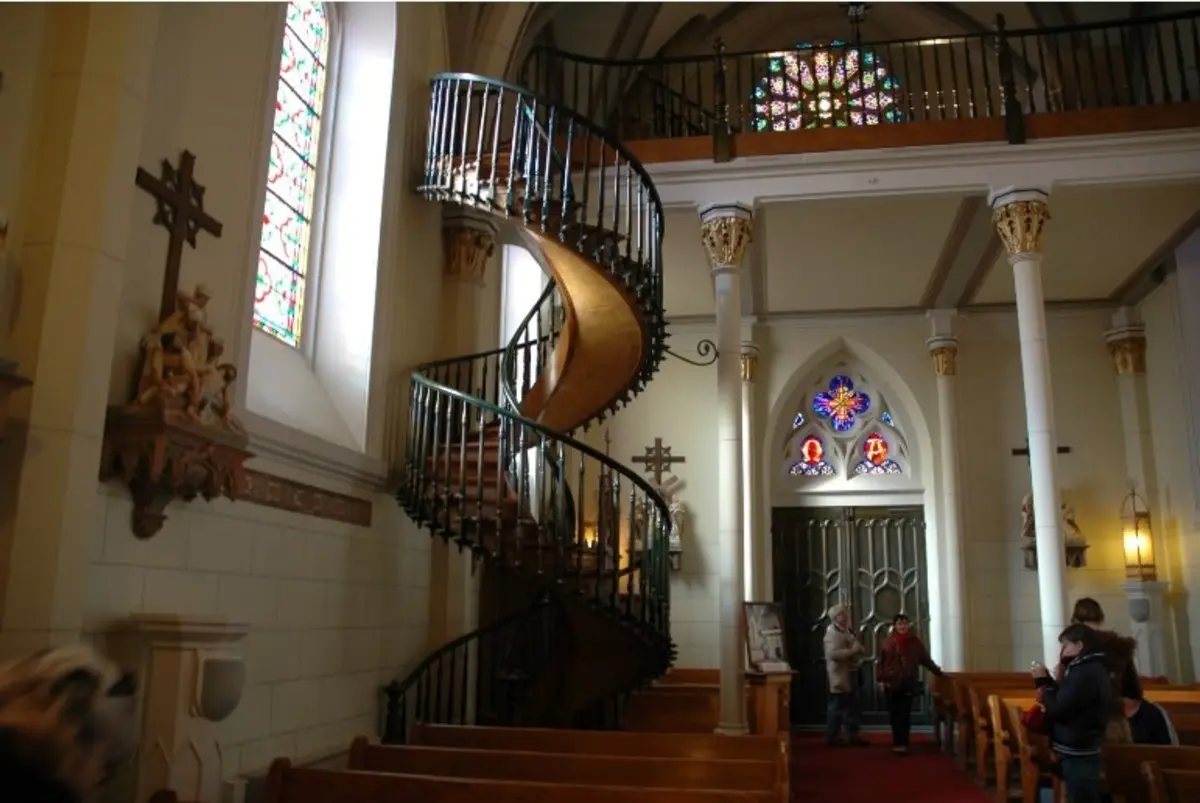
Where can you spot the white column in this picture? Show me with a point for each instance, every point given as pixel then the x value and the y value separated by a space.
pixel 1020 216
pixel 1127 346
pixel 943 347
pixel 726 231
pixel 1187 309
pixel 752 583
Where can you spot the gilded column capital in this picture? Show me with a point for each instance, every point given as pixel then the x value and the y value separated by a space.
pixel 1020 217
pixel 467 244
pixel 726 231
pixel 1127 347
pixel 944 350
pixel 749 362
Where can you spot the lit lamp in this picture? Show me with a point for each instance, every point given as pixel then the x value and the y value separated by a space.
pixel 1137 539
pixel 591 535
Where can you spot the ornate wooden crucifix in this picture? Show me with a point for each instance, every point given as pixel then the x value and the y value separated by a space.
pixel 658 460
pixel 1024 452
pixel 181 212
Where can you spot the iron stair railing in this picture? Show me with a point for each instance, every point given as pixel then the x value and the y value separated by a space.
pixel 478 472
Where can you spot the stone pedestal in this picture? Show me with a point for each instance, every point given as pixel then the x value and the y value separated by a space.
pixel 1148 614
pixel 191 679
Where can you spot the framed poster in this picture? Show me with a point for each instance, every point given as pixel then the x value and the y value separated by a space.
pixel 765 648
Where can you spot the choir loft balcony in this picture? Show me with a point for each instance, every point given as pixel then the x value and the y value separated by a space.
pixel 1005 85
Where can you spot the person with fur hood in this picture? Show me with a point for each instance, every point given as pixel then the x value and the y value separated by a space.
pixel 1118 654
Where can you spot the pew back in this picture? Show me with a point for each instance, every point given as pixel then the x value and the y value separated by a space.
pixel 288 784
pixel 1123 767
pixel 608 743
pixel 657 773
pixel 1171 786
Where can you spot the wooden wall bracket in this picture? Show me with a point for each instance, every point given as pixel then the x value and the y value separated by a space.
pixel 162 455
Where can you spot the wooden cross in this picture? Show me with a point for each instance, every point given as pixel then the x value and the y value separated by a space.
pixel 658 460
pixel 180 211
pixel 1025 451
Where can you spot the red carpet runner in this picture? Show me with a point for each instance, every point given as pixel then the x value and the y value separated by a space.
pixel 874 774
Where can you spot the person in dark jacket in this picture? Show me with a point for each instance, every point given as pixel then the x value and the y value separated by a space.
pixel 1149 723
pixel 900 656
pixel 1078 708
pixel 1118 652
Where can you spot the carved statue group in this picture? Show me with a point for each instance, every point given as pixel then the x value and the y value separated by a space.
pixel 182 366
pixel 1070 529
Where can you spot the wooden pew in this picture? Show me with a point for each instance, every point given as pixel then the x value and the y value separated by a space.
pixel 607 743
pixel 288 784
pixel 1171 786
pixel 555 767
pixel 1032 751
pixel 1123 767
pixel 957 703
pixel 1177 700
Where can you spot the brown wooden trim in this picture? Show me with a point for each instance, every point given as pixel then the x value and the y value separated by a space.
pixel 986 262
pixel 963 218
pixel 1122 120
pixel 1142 272
pixel 268 490
pixel 1089 122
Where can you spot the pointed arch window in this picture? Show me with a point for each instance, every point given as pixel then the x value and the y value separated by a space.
pixel 286 262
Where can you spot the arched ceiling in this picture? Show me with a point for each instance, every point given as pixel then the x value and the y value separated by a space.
pixel 646 30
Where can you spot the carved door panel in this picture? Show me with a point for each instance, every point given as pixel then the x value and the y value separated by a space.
pixel 871 558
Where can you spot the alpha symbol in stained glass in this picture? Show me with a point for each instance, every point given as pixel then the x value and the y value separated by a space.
pixel 841 404
pixel 284 250
pixel 812 461
pixel 875 457
pixel 825 87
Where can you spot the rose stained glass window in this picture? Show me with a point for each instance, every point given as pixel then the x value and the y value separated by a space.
pixel 875 457
pixel 825 87
pixel 287 219
pixel 812 462
pixel 841 404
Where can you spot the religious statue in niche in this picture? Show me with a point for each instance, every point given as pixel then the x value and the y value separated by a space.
pixel 1076 544
pixel 178 437
pixel 657 461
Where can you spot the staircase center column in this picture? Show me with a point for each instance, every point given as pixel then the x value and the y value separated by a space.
pixel 943 347
pixel 726 230
pixel 1020 216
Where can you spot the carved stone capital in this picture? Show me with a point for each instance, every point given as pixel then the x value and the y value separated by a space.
pixel 1020 216
pixel 1127 347
pixel 944 351
pixel 467 244
pixel 726 231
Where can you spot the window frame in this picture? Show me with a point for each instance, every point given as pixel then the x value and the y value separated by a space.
pixel 307 335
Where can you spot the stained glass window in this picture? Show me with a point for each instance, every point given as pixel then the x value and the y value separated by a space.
pixel 875 457
pixel 825 87
pixel 887 418
pixel 798 421
pixel 287 223
pixel 812 462
pixel 841 404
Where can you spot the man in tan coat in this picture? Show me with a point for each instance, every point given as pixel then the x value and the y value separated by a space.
pixel 842 659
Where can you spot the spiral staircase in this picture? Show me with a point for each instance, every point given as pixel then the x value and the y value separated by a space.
pixel 491 465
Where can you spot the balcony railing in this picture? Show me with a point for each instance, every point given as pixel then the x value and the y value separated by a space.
pixel 1150 61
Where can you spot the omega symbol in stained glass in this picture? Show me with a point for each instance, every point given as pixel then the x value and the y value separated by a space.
pixel 812 462
pixel 875 457
pixel 841 404
pixel 825 87
pixel 284 255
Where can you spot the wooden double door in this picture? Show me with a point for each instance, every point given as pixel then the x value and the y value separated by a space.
pixel 871 558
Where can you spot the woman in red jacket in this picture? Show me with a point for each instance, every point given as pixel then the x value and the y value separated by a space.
pixel 901 656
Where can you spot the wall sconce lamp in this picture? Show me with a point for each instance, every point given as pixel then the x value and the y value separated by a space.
pixel 1137 538
pixel 591 535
